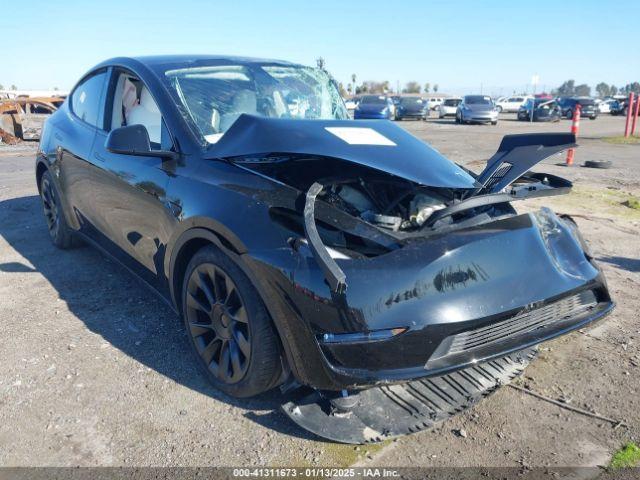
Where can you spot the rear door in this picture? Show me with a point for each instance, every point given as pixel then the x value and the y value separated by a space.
pixel 73 140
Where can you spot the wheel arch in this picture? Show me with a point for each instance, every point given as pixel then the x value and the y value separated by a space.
pixel 41 167
pixel 188 243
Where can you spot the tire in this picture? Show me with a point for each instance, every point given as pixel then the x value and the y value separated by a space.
pixel 494 123
pixel 592 118
pixel 569 114
pixel 499 109
pixel 604 164
pixel 59 231
pixel 226 322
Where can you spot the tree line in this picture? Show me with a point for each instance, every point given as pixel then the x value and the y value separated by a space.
pixel 384 87
pixel 603 89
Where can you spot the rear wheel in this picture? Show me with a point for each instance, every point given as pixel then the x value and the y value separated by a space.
pixel 228 326
pixel 60 233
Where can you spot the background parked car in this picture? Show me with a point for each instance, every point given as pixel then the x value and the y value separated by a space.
pixel 352 103
pixel 477 109
pixel 511 104
pixel 375 107
pixel 448 107
pixel 434 102
pixel 604 106
pixel 412 107
pixel 588 107
pixel 543 110
pixel 620 107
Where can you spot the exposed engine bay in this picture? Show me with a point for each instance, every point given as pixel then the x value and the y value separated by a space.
pixel 391 203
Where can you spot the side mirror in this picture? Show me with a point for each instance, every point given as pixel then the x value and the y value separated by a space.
pixel 134 140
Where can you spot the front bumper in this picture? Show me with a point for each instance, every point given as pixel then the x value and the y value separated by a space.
pixel 410 114
pixel 464 283
pixel 479 117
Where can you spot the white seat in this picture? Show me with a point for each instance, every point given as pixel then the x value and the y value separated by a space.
pixel 243 102
pixel 148 114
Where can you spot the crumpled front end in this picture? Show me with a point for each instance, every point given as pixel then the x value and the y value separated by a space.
pixel 446 303
pixel 395 270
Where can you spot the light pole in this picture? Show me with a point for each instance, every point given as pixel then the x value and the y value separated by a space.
pixel 534 81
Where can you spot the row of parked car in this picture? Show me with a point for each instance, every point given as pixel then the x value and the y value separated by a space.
pixel 480 108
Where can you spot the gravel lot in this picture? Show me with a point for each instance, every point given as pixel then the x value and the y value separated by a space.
pixel 96 370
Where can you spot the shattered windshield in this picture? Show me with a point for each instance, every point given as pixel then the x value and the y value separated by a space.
pixel 214 97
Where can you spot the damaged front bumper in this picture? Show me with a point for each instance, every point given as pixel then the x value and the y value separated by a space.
pixel 447 302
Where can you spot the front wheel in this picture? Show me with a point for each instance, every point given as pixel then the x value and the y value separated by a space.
pixel 494 123
pixel 228 326
pixel 60 233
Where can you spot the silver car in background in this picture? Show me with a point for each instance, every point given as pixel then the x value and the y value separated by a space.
pixel 477 109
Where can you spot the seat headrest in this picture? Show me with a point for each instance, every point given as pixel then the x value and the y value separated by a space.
pixel 245 102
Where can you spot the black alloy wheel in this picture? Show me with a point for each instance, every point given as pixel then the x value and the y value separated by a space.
pixel 61 235
pixel 50 206
pixel 218 323
pixel 228 326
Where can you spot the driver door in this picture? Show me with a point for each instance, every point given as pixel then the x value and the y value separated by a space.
pixel 137 218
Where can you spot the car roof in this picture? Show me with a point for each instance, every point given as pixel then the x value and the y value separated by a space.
pixel 161 62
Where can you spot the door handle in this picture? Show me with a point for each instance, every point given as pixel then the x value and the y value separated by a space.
pixel 98 157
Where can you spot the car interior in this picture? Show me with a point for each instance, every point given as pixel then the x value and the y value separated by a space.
pixel 134 105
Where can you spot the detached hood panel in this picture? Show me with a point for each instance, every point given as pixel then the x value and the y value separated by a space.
pixel 376 144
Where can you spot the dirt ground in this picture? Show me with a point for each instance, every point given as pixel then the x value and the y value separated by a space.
pixel 96 370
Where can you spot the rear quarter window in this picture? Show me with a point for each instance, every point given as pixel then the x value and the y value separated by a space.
pixel 86 98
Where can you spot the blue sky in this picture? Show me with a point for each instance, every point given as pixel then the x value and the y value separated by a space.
pixel 459 45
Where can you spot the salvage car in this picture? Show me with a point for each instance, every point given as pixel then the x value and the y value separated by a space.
pixel 621 106
pixel 23 117
pixel 588 107
pixel 375 107
pixel 411 107
pixel 477 109
pixel 380 284
pixel 543 110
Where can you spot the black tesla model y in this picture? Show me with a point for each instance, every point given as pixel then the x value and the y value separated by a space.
pixel 380 284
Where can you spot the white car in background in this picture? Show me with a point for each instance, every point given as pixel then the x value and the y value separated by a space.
pixel 604 106
pixel 511 104
pixel 448 107
pixel 351 103
pixel 434 102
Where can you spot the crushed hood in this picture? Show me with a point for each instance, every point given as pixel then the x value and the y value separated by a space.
pixel 377 144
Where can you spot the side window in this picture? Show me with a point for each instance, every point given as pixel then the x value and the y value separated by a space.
pixel 86 98
pixel 133 104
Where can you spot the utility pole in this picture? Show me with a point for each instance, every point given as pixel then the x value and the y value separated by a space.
pixel 534 81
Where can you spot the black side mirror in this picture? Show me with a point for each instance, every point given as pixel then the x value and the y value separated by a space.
pixel 134 140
